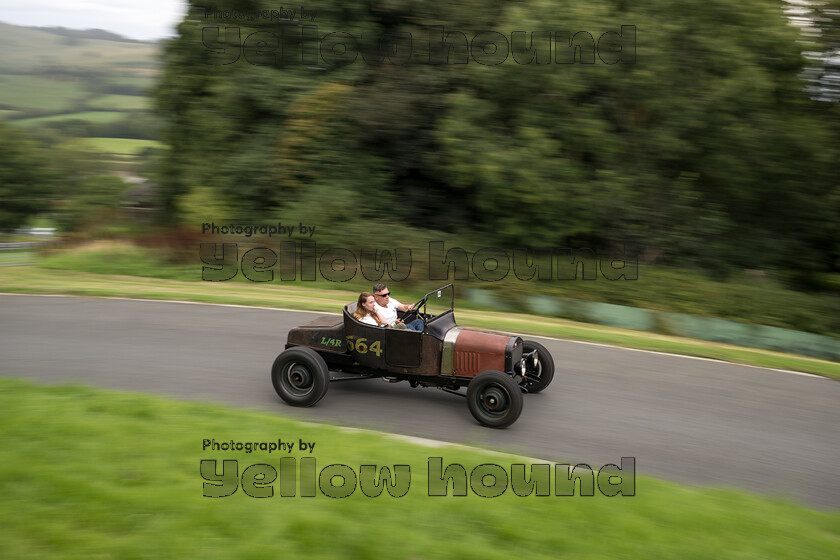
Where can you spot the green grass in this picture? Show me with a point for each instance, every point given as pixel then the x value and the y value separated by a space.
pixel 127 146
pixel 40 92
pixel 90 116
pixel 764 301
pixel 120 102
pixel 105 257
pixel 759 300
pixel 13 257
pixel 94 474
pixel 118 270
pixel 143 82
pixel 137 81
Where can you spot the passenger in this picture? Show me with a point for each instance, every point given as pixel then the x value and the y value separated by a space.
pixel 366 311
pixel 387 308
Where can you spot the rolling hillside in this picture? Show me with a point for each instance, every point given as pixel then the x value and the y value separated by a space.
pixel 82 84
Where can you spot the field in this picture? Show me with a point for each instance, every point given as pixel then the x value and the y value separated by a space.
pixel 49 77
pixel 43 93
pixel 128 146
pixel 89 116
pixel 88 473
pixel 120 102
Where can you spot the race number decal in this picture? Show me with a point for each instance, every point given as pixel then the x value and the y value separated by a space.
pixel 361 345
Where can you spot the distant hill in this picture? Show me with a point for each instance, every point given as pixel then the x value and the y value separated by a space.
pixel 54 73
pixel 86 84
pixel 34 50
pixel 88 34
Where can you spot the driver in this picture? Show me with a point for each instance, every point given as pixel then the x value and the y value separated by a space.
pixel 387 307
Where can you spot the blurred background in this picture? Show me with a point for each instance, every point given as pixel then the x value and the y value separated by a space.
pixel 699 137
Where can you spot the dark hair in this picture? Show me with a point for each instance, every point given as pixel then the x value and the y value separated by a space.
pixel 378 287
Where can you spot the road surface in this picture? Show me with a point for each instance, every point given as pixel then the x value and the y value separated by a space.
pixel 688 420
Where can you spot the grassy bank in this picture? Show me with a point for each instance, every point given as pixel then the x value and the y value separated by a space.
pixel 87 473
pixel 35 280
pixel 751 297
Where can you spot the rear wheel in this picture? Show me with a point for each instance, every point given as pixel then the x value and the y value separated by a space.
pixel 540 375
pixel 300 376
pixel 494 399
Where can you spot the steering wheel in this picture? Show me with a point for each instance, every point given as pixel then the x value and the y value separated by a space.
pixel 409 316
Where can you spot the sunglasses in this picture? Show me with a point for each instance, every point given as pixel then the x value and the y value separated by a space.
pixel 386 294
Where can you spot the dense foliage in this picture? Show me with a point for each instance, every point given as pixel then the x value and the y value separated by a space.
pixel 42 176
pixel 26 185
pixel 705 151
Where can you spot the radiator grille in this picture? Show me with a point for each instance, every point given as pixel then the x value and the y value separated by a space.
pixel 466 362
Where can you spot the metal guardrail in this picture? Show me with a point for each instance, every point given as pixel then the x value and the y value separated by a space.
pixel 19 254
pixel 748 335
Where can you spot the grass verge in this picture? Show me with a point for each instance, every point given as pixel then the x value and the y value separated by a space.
pixel 44 93
pixel 121 102
pixel 87 473
pixel 744 298
pixel 33 280
pixel 89 116
pixel 129 146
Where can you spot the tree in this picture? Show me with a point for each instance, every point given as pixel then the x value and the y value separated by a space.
pixel 698 145
pixel 26 182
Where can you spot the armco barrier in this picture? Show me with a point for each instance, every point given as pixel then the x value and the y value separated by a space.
pixel 752 335
pixel 18 254
pixel 704 328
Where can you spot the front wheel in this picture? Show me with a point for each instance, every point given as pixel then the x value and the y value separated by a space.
pixel 539 374
pixel 300 376
pixel 494 399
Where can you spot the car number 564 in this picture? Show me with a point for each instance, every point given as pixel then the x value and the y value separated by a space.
pixel 361 346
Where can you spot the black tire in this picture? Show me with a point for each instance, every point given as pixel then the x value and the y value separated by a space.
pixel 300 376
pixel 494 399
pixel 545 367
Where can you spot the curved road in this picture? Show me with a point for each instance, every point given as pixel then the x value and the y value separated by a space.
pixel 693 421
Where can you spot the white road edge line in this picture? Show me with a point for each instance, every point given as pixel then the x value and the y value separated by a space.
pixel 436 444
pixel 678 355
pixel 330 313
pixel 172 301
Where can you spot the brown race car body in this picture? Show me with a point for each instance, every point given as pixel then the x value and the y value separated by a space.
pixel 496 369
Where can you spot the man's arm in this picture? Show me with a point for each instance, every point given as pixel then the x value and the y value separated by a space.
pixel 402 306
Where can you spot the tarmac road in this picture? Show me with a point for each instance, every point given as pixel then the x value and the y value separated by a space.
pixel 688 420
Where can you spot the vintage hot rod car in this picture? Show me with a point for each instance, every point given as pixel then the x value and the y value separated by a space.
pixel 496 369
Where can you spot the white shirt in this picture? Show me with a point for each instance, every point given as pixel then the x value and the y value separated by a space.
pixel 368 320
pixel 389 314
